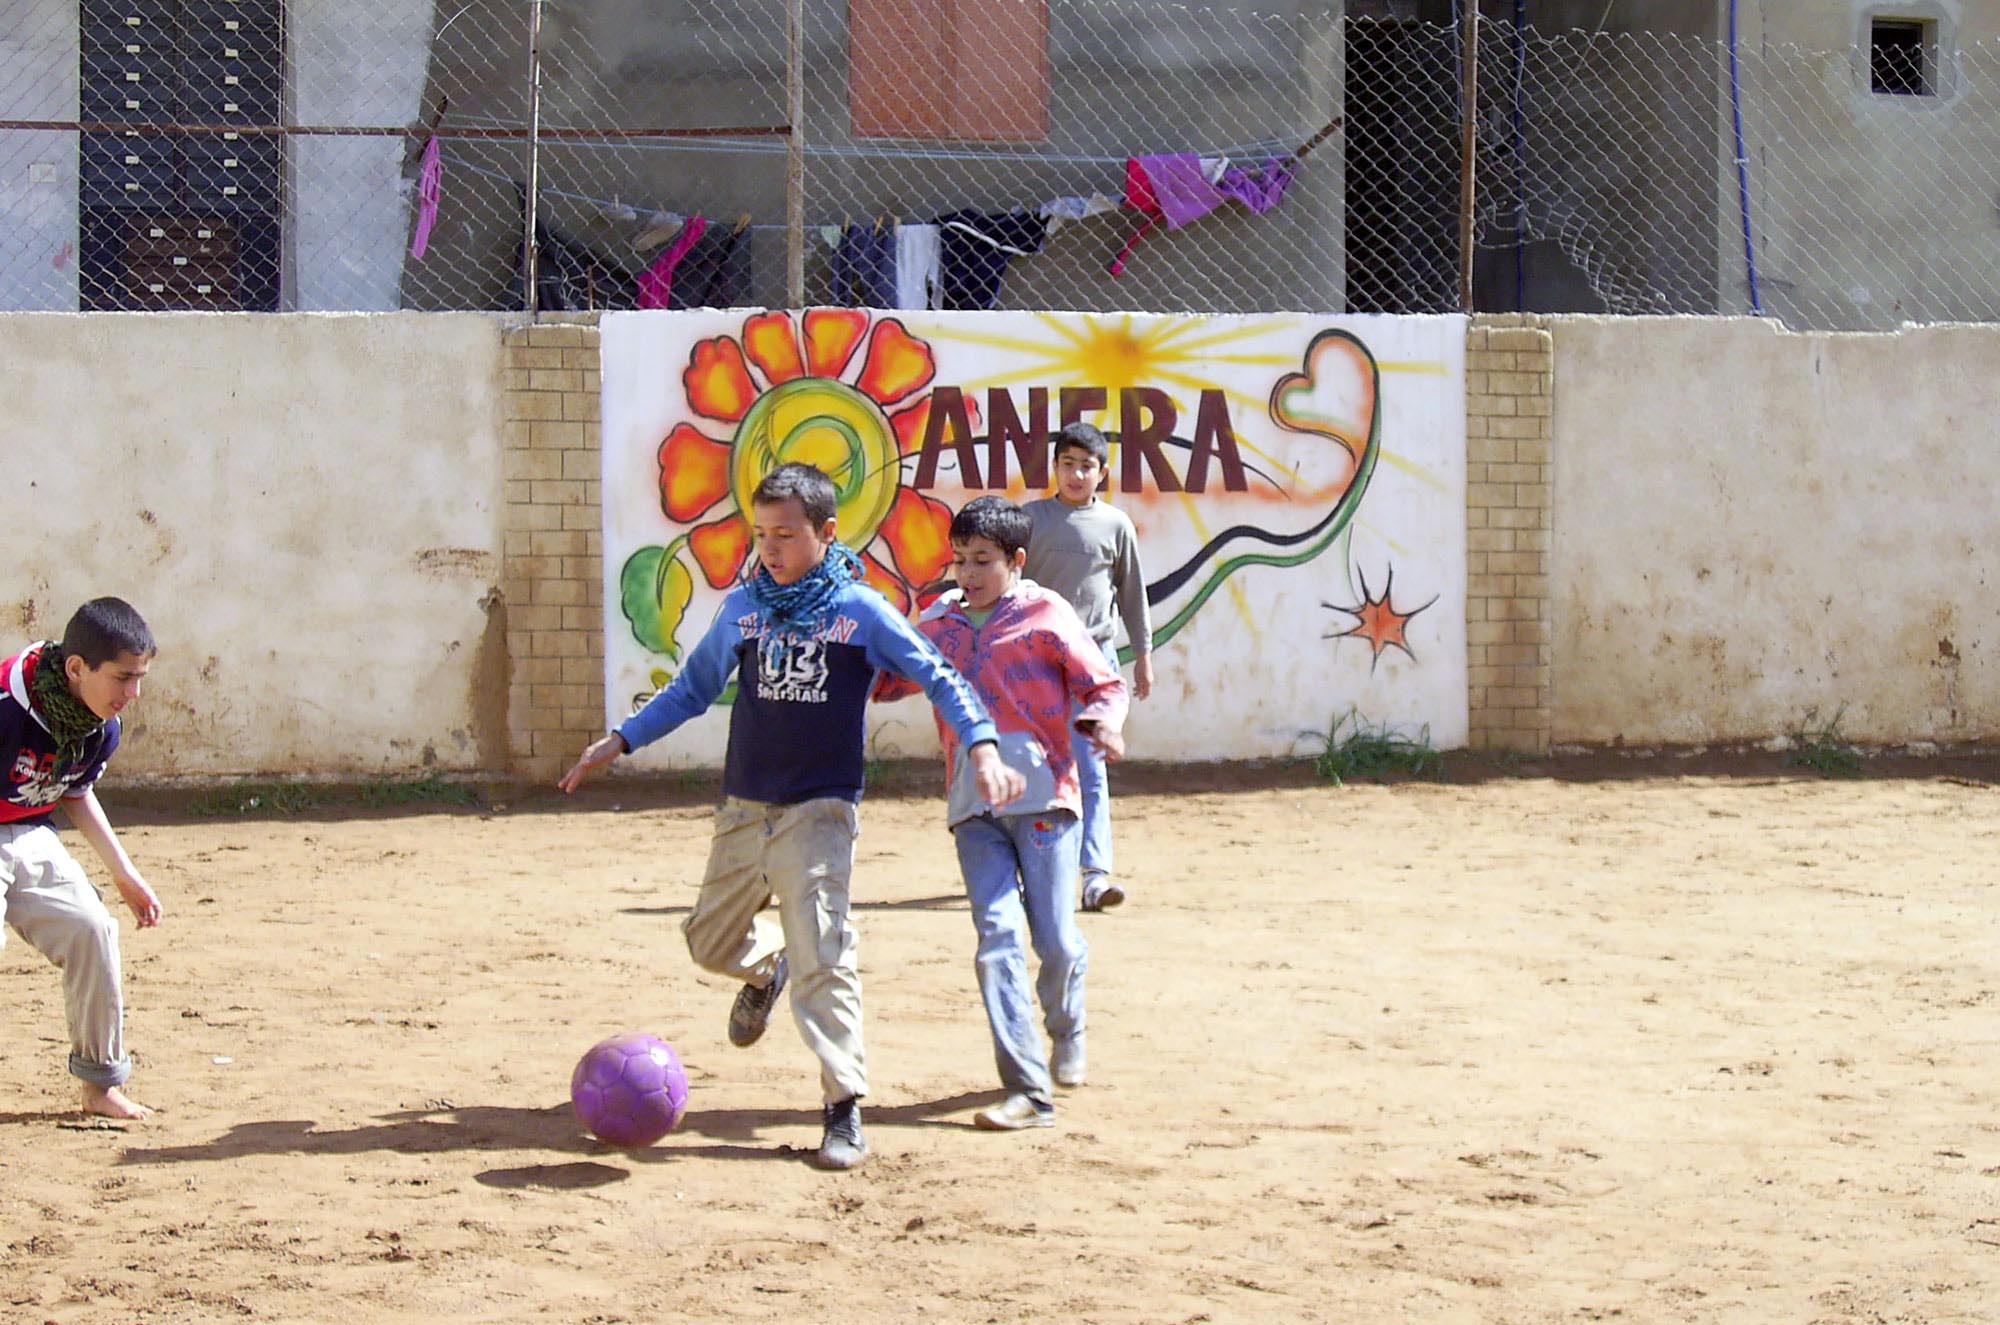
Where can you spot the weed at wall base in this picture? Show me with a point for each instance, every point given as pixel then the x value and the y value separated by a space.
pixel 1824 750
pixel 1354 748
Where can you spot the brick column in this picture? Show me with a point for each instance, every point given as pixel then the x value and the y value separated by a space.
pixel 553 572
pixel 1509 364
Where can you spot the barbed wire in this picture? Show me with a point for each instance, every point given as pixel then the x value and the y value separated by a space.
pixel 1074 154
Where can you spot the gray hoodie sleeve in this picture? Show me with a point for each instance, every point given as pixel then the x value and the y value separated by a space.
pixel 1128 584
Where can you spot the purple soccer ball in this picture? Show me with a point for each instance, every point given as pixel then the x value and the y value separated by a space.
pixel 629 1090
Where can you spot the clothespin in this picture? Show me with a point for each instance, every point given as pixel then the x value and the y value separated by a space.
pixel 881 223
pixel 661 227
pixel 438 118
pixel 742 224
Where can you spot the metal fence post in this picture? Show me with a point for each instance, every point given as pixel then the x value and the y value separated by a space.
pixel 529 217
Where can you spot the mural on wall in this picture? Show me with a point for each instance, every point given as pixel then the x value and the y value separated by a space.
pixel 1277 468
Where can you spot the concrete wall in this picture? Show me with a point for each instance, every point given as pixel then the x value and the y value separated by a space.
pixel 372 543
pixel 347 215
pixel 1869 210
pixel 1755 529
pixel 1124 78
pixel 38 168
pixel 350 201
pixel 308 509
pixel 1618 129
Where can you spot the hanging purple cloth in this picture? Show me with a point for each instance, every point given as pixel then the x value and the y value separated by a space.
pixel 1263 188
pixel 1185 194
pixel 430 178
pixel 656 283
pixel 1182 190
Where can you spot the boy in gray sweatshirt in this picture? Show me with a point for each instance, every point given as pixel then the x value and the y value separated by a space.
pixel 1088 552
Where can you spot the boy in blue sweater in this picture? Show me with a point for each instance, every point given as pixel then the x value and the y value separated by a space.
pixel 806 642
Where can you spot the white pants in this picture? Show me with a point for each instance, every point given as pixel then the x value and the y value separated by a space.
pixel 46 898
pixel 804 856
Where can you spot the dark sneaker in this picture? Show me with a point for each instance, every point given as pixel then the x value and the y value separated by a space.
pixel 752 1011
pixel 1067 1062
pixel 1015 1113
pixel 1101 894
pixel 842 1146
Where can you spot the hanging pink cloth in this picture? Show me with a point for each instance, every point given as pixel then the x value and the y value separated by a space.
pixel 1139 197
pixel 657 281
pixel 430 179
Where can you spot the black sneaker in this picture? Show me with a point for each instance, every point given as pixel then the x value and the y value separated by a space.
pixel 842 1146
pixel 752 1010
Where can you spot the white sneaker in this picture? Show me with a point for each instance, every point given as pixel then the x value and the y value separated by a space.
pixel 1067 1062
pixel 1101 894
pixel 1013 1114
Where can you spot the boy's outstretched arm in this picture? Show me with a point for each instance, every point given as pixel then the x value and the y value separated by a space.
pixel 88 818
pixel 707 672
pixel 595 756
pixel 1099 691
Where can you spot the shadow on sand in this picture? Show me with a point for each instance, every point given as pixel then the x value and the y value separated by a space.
pixel 733 1133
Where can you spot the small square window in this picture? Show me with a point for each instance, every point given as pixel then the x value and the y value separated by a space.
pixel 1902 57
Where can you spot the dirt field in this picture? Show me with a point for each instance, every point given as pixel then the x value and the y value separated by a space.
pixel 1551 1046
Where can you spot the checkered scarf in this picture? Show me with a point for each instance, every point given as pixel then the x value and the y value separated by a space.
pixel 68 719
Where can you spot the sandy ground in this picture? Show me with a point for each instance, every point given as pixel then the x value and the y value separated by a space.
pixel 1681 1047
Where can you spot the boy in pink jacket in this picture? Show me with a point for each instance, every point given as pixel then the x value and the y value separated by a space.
pixel 1029 658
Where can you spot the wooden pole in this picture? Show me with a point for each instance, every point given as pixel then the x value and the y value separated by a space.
pixel 1468 130
pixel 795 156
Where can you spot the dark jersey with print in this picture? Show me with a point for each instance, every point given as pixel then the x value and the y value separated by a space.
pixel 32 778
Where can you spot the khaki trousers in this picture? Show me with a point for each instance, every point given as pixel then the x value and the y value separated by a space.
pixel 46 898
pixel 801 856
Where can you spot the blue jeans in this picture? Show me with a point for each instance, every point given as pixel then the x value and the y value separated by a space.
pixel 1096 852
pixel 1020 876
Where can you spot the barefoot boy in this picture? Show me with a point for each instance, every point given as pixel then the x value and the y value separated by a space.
pixel 59 707
pixel 806 642
pixel 1032 663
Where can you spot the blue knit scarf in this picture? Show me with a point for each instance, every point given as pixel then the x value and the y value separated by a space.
pixel 798 610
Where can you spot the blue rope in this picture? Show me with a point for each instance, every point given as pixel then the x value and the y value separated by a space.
pixel 798 610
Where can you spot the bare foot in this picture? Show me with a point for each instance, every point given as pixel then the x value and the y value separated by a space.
pixel 111 1102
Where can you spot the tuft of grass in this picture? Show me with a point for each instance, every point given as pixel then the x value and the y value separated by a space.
pixel 430 789
pixel 1356 749
pixel 241 798
pixel 1824 750
pixel 282 798
pixel 875 768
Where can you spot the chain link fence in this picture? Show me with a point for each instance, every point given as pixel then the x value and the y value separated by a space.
pixel 1076 154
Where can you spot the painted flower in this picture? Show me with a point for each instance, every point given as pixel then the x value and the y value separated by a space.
pixel 818 388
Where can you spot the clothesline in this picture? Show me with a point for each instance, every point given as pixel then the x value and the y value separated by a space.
pixel 770 147
pixel 952 261
pixel 615 205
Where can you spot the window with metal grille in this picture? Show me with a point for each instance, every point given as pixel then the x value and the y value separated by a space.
pixel 180 161
pixel 1902 57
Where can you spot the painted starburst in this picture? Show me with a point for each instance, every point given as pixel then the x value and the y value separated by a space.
pixel 1377 621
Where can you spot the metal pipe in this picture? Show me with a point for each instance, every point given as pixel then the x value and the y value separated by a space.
pixel 795 156
pixel 158 128
pixel 531 219
pixel 1742 166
